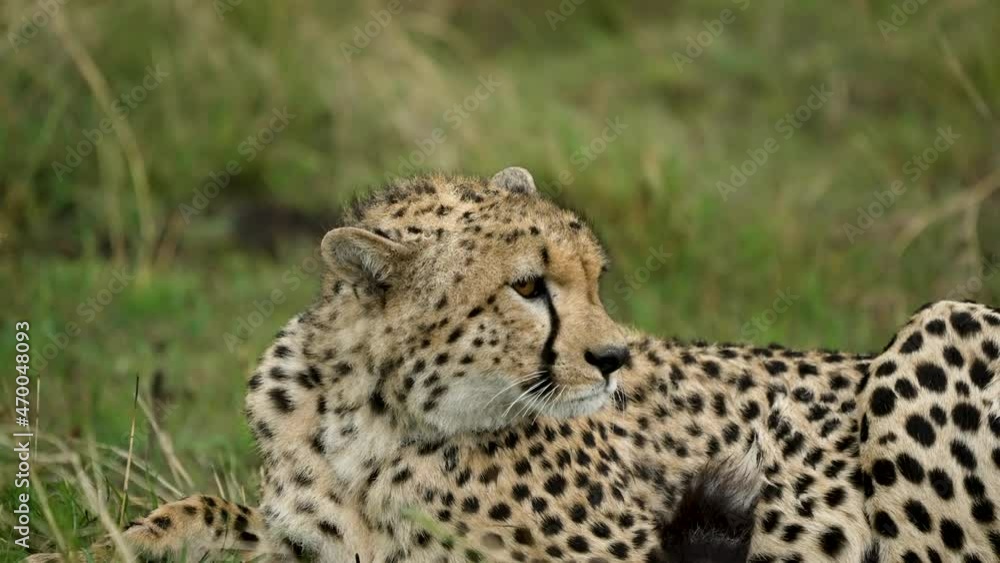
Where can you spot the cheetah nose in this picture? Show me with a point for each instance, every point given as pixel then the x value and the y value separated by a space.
pixel 607 359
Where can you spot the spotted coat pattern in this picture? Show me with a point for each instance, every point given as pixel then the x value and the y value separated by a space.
pixel 421 410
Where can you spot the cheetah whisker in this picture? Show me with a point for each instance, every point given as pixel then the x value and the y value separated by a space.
pixel 549 394
pixel 535 400
pixel 522 395
pixel 518 381
pixel 544 402
pixel 620 391
pixel 547 402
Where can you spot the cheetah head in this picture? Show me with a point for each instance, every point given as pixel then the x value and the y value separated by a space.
pixel 479 302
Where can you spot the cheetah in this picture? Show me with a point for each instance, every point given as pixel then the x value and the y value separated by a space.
pixel 457 392
pixel 930 438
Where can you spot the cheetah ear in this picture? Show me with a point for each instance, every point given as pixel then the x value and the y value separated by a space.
pixel 361 257
pixel 515 179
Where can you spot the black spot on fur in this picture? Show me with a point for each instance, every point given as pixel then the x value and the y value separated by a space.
pixel 280 400
pixel 932 377
pixel 980 374
pixel 913 343
pixel 329 529
pixel 832 541
pixel 964 324
pixel 885 525
pixel 377 403
pixel 162 522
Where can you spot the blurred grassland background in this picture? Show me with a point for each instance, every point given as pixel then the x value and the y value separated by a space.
pixel 769 261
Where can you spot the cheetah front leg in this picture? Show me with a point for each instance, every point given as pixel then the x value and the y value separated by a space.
pixel 203 527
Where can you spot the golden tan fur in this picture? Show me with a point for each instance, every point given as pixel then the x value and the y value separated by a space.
pixel 424 410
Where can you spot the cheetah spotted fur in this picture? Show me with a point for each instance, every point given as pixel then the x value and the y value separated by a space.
pixel 458 393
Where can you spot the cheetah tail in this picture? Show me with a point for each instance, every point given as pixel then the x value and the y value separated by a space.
pixel 199 525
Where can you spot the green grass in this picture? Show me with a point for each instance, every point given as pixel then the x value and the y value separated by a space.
pixel 654 186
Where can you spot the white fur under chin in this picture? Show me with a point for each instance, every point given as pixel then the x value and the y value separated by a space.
pixel 486 404
pixel 573 409
pixel 582 402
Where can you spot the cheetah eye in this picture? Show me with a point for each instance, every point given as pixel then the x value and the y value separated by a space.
pixel 530 288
